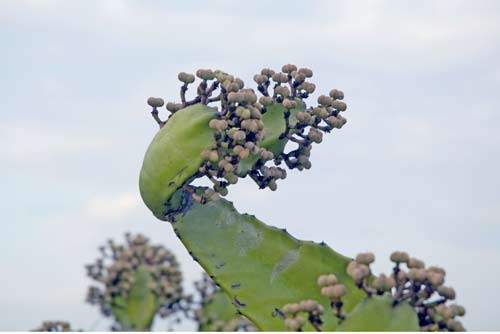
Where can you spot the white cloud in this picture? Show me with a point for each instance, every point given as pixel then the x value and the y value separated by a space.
pixel 38 143
pixel 379 35
pixel 113 207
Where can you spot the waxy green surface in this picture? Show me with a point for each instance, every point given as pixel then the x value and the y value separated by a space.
pixel 260 267
pixel 379 314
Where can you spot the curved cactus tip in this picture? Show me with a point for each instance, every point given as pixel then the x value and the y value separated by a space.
pixel 241 135
pixel 136 281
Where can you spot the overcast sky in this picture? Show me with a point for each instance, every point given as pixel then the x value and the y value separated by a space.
pixel 416 167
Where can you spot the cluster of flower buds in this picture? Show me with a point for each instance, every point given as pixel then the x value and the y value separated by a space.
pixel 333 290
pixel 206 290
pixel 116 271
pixel 294 319
pixel 423 288
pixel 53 326
pixel 239 129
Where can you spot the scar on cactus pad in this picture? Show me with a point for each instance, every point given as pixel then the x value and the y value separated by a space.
pixel 226 132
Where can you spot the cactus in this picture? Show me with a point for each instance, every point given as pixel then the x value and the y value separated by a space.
pixel 54 326
pixel 216 312
pixel 379 314
pixel 137 281
pixel 243 137
pixel 404 301
pixel 262 268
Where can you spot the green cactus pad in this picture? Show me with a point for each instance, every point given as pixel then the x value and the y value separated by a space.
pixel 378 314
pixel 260 267
pixel 174 155
pixel 136 311
pixel 274 125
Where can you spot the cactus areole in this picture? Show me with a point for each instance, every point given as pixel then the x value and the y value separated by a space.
pixel 227 132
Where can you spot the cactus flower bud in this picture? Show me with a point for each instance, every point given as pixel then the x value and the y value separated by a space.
pixel 417 274
pixel 260 79
pixel 288 68
pixel 416 263
pixel 458 310
pixel 293 324
pixel 322 281
pixel 213 156
pixel 299 78
pixel 400 257
pixel 272 185
pixel 291 309
pixel 234 97
pixel 307 72
pixel 155 102
pixel 436 279
pixel 315 135
pixel 186 77
pixel 205 74
pixel 365 258
pixel 446 292
pixel 289 104
pixel 267 72
pixel 336 94
pixel 438 270
pixel 266 101
pixel 280 77
pixel 455 325
pixel 339 105
pixel 309 87
pixel 308 305
pixel 324 100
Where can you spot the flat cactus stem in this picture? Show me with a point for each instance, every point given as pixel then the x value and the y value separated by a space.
pixel 136 312
pixel 378 314
pixel 260 267
pixel 174 155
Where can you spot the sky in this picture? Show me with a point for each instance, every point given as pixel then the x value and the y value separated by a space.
pixel 415 168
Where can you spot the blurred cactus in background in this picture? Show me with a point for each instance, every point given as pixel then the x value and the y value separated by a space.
pixel 138 281
pixel 216 313
pixel 135 282
pixel 54 326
